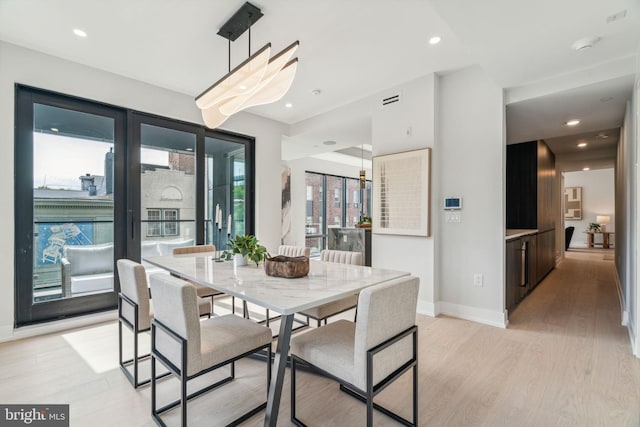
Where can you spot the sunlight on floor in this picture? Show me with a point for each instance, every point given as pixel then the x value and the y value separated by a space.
pixel 96 346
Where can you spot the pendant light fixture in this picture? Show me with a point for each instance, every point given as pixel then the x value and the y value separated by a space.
pixel 363 174
pixel 260 79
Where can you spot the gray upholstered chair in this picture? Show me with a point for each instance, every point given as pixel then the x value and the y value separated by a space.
pixel 201 290
pixel 369 354
pixel 134 311
pixel 323 312
pixel 189 348
pixel 288 250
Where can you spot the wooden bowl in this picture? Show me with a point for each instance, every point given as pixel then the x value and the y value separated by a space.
pixel 285 266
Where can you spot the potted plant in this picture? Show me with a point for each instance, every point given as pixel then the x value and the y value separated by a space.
pixel 244 248
pixel 364 222
pixel 594 227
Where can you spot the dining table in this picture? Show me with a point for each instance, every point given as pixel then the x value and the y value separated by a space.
pixel 325 282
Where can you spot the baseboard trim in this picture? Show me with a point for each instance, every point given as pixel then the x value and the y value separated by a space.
pixel 426 308
pixel 625 319
pixel 634 339
pixel 60 325
pixel 624 313
pixel 480 315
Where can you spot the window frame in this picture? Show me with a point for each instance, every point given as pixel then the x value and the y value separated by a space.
pixel 127 210
pixel 342 192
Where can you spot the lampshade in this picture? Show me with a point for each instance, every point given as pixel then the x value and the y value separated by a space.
pixel 603 219
pixel 275 83
pixel 258 80
pixel 265 92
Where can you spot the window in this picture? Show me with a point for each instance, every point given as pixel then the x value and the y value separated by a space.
pixel 154 229
pixel 343 209
pixel 163 222
pixel 171 225
pixel 92 199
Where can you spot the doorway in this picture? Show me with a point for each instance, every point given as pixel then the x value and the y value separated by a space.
pixel 95 183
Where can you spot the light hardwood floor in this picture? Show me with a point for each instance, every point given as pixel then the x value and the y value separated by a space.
pixel 564 361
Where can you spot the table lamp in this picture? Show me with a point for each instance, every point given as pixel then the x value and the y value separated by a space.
pixel 603 220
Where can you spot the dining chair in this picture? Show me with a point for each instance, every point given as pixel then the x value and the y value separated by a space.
pixel 288 250
pixel 201 290
pixel 323 312
pixel 367 355
pixel 189 348
pixel 134 311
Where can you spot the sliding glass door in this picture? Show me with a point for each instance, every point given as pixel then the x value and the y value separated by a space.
pixel 228 189
pixel 68 163
pixel 96 183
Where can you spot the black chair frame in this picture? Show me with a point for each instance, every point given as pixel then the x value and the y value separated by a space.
pixel 184 378
pixel 372 390
pixel 124 364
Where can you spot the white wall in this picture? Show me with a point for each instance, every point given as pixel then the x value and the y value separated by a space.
pixel 633 288
pixel 19 65
pixel 389 135
pixel 598 198
pixel 465 110
pixel 470 154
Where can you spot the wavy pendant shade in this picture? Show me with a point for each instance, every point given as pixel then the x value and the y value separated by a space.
pixel 258 80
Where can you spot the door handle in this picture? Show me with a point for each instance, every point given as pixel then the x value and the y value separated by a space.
pixel 132 223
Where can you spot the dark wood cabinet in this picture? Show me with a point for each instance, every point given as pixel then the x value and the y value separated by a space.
pixel 546 259
pixel 521 269
pixel 532 203
pixel 530 186
pixel 512 274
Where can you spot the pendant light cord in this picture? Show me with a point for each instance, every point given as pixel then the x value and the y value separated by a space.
pixel 249 25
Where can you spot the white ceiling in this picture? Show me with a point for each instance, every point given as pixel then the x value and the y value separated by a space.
pixel 349 49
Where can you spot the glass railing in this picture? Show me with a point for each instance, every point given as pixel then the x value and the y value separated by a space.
pixel 72 258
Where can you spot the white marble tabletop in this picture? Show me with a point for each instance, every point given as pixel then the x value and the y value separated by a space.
pixel 325 282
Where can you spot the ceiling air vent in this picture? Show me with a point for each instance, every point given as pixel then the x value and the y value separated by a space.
pixel 392 99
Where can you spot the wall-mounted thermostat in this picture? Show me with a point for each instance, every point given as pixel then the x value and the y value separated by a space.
pixel 452 203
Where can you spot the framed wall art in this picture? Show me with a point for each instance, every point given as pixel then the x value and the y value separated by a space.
pixel 402 193
pixel 573 203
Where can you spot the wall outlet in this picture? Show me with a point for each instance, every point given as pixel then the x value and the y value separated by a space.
pixel 478 279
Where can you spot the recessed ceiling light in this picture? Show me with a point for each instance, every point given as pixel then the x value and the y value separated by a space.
pixel 585 43
pixel 316 91
pixel 78 32
pixel 582 145
pixel 586 169
pixel 572 122
pixel 55 130
pixel 329 143
pixel 288 105
pixel 435 40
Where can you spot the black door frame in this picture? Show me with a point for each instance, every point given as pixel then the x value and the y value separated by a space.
pixel 26 311
pixel 127 227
